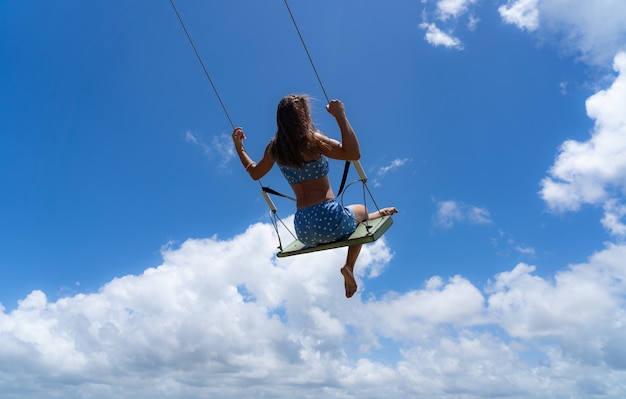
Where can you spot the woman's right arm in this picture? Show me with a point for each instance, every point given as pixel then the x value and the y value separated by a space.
pixel 348 149
pixel 254 169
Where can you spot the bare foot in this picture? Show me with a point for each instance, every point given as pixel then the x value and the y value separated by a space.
pixel 349 281
pixel 387 211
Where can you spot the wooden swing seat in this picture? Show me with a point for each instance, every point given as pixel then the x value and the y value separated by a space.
pixel 368 231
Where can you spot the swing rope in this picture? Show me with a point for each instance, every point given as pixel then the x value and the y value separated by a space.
pixel 202 64
pixel 274 212
pixel 266 190
pixel 306 50
pixel 274 215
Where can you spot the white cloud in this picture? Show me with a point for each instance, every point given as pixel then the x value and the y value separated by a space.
pixel 594 171
pixel 395 164
pixel 614 218
pixel 447 13
pixel 223 144
pixel 522 13
pixel 524 250
pixel 437 37
pixel 453 8
pixel 506 244
pixel 403 316
pixel 472 23
pixel 220 145
pixel 193 138
pixel 226 319
pixel 581 301
pixel 593 30
pixel 450 213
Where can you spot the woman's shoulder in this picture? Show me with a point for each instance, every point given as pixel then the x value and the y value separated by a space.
pixel 323 143
pixel 319 136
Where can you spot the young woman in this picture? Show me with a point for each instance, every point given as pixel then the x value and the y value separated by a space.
pixel 301 153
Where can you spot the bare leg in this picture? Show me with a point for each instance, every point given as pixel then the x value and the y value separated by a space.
pixel 382 212
pixel 348 270
pixel 360 212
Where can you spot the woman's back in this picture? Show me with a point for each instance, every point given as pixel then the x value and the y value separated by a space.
pixel 310 183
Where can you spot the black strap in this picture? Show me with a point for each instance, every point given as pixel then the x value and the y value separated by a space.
pixel 346 168
pixel 274 192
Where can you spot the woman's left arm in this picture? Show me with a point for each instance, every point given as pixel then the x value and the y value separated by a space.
pixel 254 169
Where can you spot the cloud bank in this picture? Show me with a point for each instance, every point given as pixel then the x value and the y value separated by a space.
pixel 225 319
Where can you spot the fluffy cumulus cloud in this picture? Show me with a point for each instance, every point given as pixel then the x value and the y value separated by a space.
pixel 453 8
pixel 594 171
pixel 523 13
pixel 226 319
pixel 440 22
pixel 437 37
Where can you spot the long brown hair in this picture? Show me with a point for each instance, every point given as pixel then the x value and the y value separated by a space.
pixel 295 136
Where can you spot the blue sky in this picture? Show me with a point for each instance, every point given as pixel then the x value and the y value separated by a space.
pixel 138 259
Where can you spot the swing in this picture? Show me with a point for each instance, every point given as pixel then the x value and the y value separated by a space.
pixel 367 231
